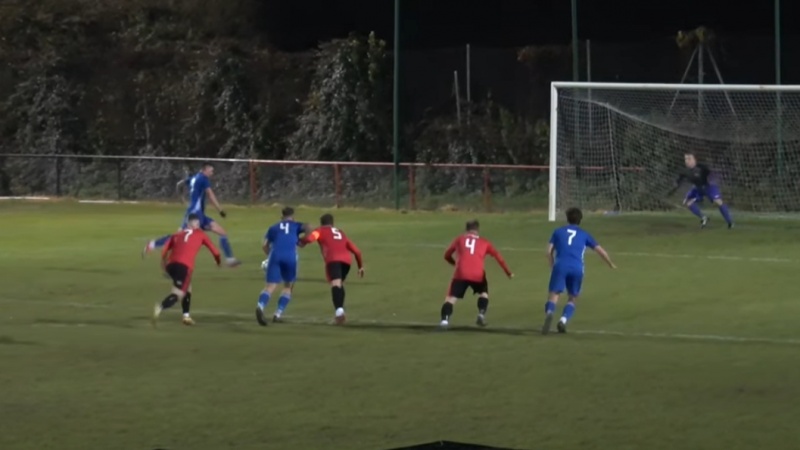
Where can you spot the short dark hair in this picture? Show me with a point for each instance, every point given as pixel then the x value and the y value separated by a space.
pixel 473 225
pixel 287 212
pixel 326 219
pixel 192 217
pixel 574 216
pixel 206 164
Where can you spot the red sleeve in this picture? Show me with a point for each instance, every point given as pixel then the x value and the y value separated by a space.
pixel 167 249
pixel 355 251
pixel 496 255
pixel 311 237
pixel 213 249
pixel 448 254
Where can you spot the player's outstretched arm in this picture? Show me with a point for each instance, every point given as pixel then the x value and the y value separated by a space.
pixel 551 255
pixel 215 202
pixel 265 247
pixel 179 190
pixel 213 249
pixel 604 255
pixel 499 258
pixel 448 254
pixel 357 253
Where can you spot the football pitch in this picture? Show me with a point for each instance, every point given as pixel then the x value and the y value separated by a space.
pixel 691 344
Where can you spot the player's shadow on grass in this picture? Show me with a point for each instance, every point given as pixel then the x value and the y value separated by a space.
pixel 433 328
pixel 95 270
pixel 121 322
pixel 9 340
pixel 323 281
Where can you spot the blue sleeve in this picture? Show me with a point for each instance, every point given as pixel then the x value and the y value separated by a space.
pixel 270 236
pixel 298 228
pixel 590 242
pixel 206 183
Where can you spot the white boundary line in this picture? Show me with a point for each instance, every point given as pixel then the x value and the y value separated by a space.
pixel 533 329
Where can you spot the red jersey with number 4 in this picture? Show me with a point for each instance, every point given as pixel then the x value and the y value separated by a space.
pixel 335 246
pixel 184 245
pixel 470 250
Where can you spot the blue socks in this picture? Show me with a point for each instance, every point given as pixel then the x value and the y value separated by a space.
pixel 226 246
pixel 283 302
pixel 263 300
pixel 723 209
pixel 160 242
pixel 696 210
pixel 549 307
pixel 569 310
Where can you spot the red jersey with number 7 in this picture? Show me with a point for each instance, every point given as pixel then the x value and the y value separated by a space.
pixel 335 246
pixel 183 246
pixel 470 250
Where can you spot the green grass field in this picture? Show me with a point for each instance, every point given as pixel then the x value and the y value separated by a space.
pixel 691 344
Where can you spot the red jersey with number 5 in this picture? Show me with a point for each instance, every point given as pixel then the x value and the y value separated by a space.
pixel 335 246
pixel 470 250
pixel 184 245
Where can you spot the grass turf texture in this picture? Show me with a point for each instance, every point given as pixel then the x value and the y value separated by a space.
pixel 692 343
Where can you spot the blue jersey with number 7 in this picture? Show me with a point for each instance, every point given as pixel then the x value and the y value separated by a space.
pixel 570 243
pixel 283 238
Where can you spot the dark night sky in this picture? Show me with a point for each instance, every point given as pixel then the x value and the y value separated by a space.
pixel 301 24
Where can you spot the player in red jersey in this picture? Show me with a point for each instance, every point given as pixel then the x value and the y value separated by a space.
pixel 470 249
pixel 177 260
pixel 336 249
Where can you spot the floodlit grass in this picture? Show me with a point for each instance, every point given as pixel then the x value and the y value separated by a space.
pixel 691 344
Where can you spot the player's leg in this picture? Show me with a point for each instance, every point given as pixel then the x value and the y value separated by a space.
pixel 455 293
pixel 289 276
pixel 335 273
pixel 180 275
pixel 272 278
pixel 482 289
pixel 224 243
pixel 574 283
pixel 714 194
pixel 186 306
pixel 555 288
pixel 691 199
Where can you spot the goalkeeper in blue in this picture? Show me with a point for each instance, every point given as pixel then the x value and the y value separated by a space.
pixel 280 246
pixel 565 254
pixel 199 188
pixel 705 186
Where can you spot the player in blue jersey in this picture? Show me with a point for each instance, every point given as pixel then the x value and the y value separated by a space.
pixel 565 253
pixel 280 246
pixel 199 188
pixel 706 185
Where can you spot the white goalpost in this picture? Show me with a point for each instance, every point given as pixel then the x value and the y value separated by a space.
pixel 619 146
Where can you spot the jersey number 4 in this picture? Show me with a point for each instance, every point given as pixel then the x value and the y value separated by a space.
pixel 470 244
pixel 188 233
pixel 572 234
pixel 285 227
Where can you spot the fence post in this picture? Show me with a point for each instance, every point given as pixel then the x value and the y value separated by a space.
pixel 337 181
pixel 58 176
pixel 487 193
pixel 253 180
pixel 119 180
pixel 412 189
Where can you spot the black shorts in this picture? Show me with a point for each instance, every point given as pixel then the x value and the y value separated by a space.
pixel 459 287
pixel 180 274
pixel 337 271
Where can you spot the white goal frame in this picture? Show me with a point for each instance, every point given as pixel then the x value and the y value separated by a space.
pixel 556 85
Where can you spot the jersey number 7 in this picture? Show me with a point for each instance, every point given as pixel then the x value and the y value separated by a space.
pixel 572 234
pixel 188 233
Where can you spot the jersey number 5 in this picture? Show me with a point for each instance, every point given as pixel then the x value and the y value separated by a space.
pixel 572 234
pixel 470 244
pixel 337 235
pixel 188 233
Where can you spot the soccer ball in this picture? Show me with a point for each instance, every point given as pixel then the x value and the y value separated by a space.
pixel 264 264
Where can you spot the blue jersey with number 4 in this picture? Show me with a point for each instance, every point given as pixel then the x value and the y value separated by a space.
pixel 283 238
pixel 570 243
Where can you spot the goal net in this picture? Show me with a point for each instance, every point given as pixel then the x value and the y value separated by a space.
pixel 619 147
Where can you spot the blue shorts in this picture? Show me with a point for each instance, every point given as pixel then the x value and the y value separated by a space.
pixel 205 221
pixel 281 269
pixel 566 277
pixel 697 194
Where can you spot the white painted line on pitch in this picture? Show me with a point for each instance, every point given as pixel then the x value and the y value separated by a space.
pixel 108 202
pixel 25 198
pixel 532 330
